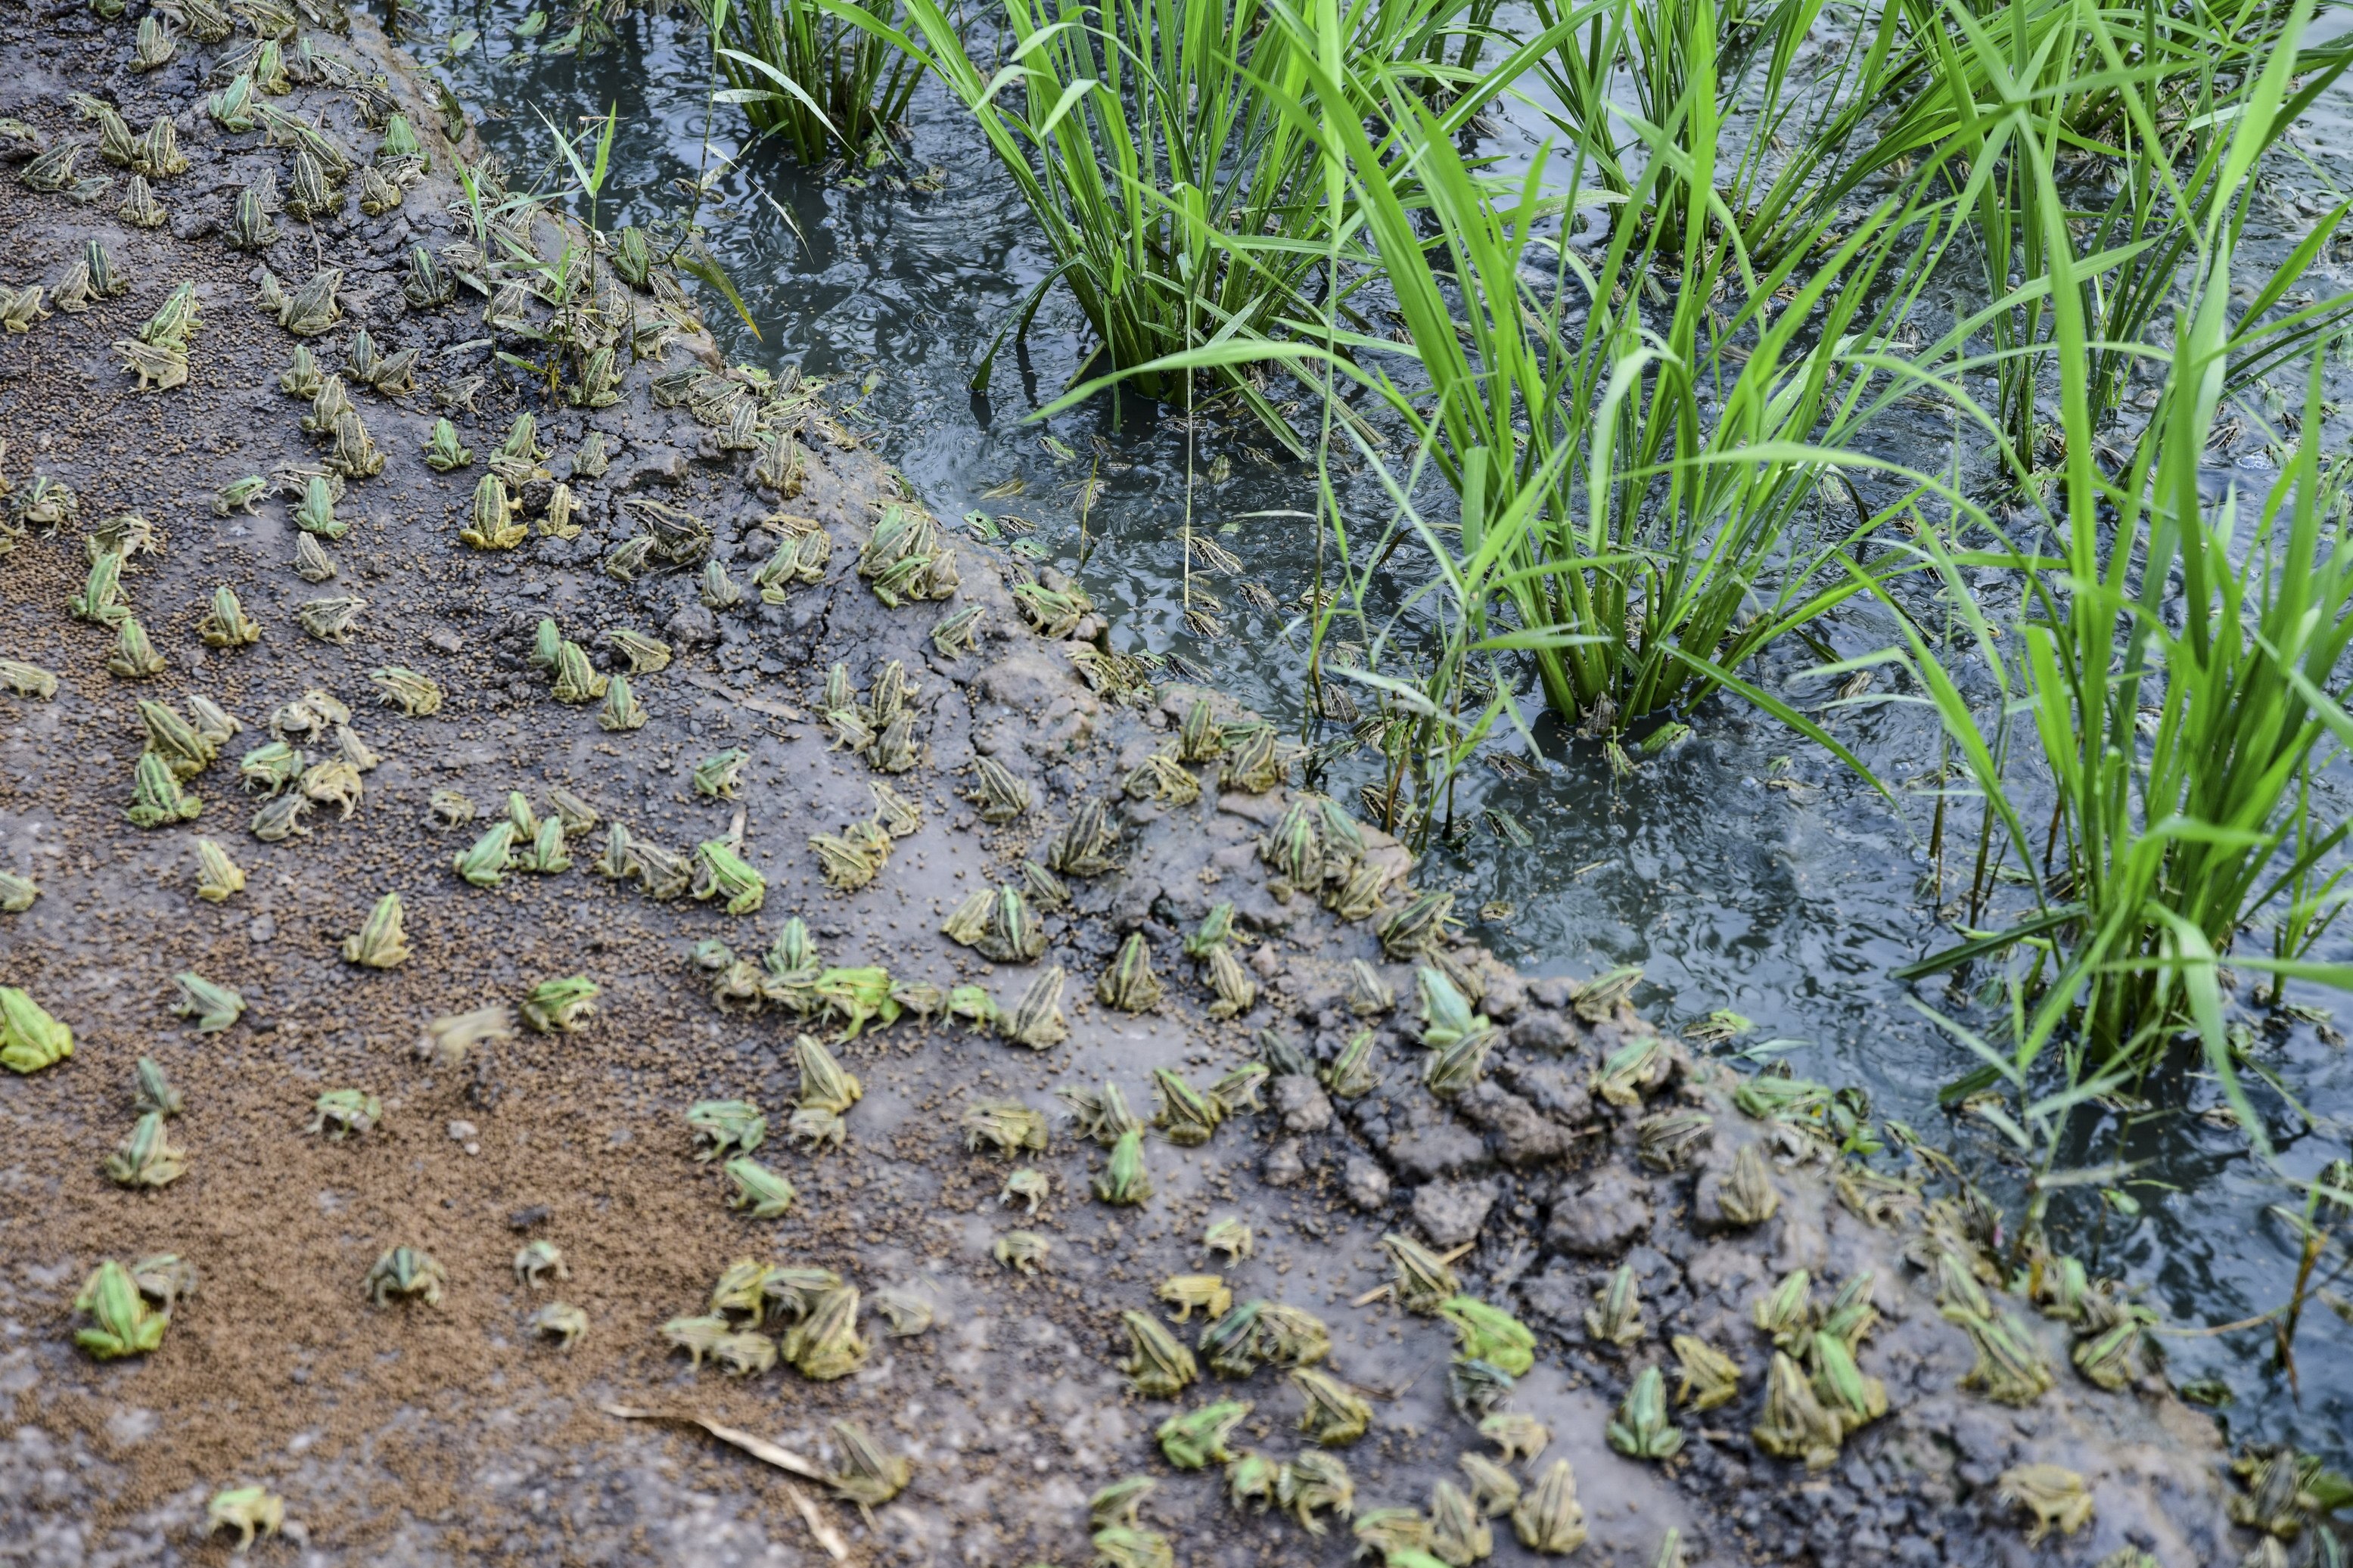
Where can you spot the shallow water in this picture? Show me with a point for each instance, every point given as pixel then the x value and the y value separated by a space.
pixel 1784 890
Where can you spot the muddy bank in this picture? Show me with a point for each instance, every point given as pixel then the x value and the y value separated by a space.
pixel 430 1432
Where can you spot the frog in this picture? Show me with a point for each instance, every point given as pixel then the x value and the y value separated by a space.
pixel 27 679
pixel 1200 737
pixel 21 308
pixel 720 1125
pixel 1236 992
pixel 184 749
pixel 1294 848
pixel 1851 1315
pixel 301 377
pixel 825 1345
pixel 575 679
pixel 146 1158
pixel 1516 1435
pixel 868 1476
pixel 18 893
pixel 1710 1377
pixel 1488 1334
pixel 1747 1195
pixel 135 658
pixel 248 1510
pixel 534 1262
pixel 1769 1095
pixel 895 750
pixel 1616 1316
pixel 493 525
pixel 165 1278
pixel 560 1322
pixel 1397 1536
pixel 156 798
pixel 1124 1179
pixel 379 943
pixel 1083 846
pixel 1129 983
pixel 697 1336
pixel 100 600
pixel 825 1083
pixel 1012 934
pixel 560 1006
pixel 1252 1477
pixel 1414 927
pixel 1103 1117
pixel 355 456
pixel 153 1090
pixel 408 1274
pixel 1254 761
pixel 1456 1068
pixel 1196 1440
pixel 1494 1490
pixel 1639 1066
pixel 226 624
pixel 1036 1020
pixel 1006 1125
pixel 416 696
pixel 244 494
pixel 743 1354
pixel 2055 1496
pixel 378 196
pixel 1840 1385
pixel 1549 1518
pixel 2113 1357
pixel 1237 1090
pixel 1335 1414
pixel 1787 1311
pixel 718 590
pixel 2009 1367
pixel 1458 1533
pixel 1424 1283
pixel 1187 1291
pixel 1352 1074
pixel 443 450
pixel 1159 1366
pixel 154 157
pixel 121 1323
pixel 311 564
pixel 214 1007
pixel 329 403
pixel 646 656
pixel 957 633
pixel 1667 1140
pixel 894 814
pixel 718 775
pixel 427 285
pixel 313 308
pixel 998 796
pixel 760 1193
pixel 1160 778
pixel 1232 1341
pixel 281 818
pixel 485 864
pixel 1641 1429
pixel 1795 1424
pixel 342 1112
pixel 545 854
pixel 1184 1114
pixel 889 697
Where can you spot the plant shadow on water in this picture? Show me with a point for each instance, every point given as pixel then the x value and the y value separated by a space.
pixel 1744 870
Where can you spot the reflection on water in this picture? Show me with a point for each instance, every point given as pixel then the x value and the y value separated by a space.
pixel 1743 870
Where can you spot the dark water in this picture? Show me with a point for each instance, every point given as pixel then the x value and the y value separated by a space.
pixel 1746 869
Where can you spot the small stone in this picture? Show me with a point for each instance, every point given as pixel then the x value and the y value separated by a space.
pixel 461 1130
pixel 1549 1032
pixel 1451 1213
pixel 691 626
pixel 1302 1103
pixel 441 639
pixel 1285 1166
pixel 1522 1134
pixel 261 928
pixel 1368 1184
pixel 1608 1210
pixel 523 1219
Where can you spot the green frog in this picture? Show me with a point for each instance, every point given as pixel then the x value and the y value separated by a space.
pixel 720 1125
pixel 825 1345
pixel 341 1113
pixel 1458 1532
pixel 1129 983
pixel 561 1005
pixel 121 1324
pixel 1423 1281
pixel 407 1273
pixel 1841 1386
pixel 1335 1414
pixel 147 1157
pixel 1710 1377
pixel 1023 1250
pixel 1616 1316
pixel 1159 1367
pixel 248 1510
pixel 1414 927
pixel 718 872
pixel 1184 1115
pixel 156 797
pixel 1667 1140
pixel 1036 1020
pixel 1006 1125
pixel 1125 1180
pixel 486 863
pixel 1196 1440
pixel 1748 1196
pixel 2054 1496
pixel 493 525
pixel 1488 1334
pixel 998 796
pixel 380 942
pixel 1642 1430
pixel 1795 1425
pixel 214 1007
pixel 1549 1518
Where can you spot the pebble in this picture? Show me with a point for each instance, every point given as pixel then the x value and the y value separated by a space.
pixel 1367 1183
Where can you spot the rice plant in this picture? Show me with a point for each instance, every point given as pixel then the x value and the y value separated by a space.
pixel 811 78
pixel 1157 145
pixel 2178 668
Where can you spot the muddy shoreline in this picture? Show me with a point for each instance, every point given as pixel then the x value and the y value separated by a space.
pixel 417 1433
